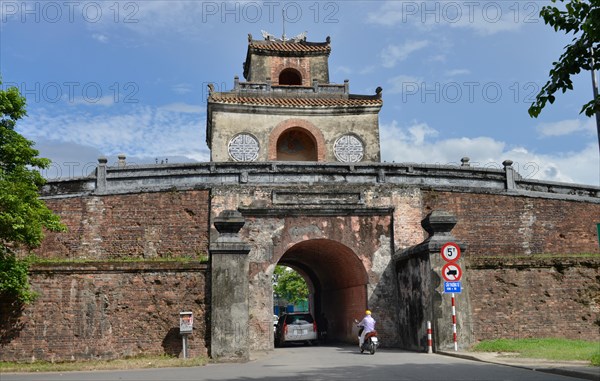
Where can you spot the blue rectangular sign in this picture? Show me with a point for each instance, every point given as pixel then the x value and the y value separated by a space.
pixel 452 287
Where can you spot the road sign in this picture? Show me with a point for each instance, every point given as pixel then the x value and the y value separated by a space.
pixel 452 287
pixel 451 272
pixel 450 252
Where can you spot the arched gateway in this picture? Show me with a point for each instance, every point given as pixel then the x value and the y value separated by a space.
pixel 345 252
pixel 339 282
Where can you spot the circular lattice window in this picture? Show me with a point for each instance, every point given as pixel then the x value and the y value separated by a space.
pixel 348 149
pixel 243 147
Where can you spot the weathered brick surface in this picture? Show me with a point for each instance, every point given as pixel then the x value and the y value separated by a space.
pixel 541 298
pixel 302 64
pixel 147 225
pixel 106 311
pixel 513 292
pixel 498 225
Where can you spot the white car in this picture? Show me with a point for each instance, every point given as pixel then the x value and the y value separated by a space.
pixel 296 327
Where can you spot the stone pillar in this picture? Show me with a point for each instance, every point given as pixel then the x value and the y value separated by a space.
pixel 122 162
pixel 439 225
pixel 421 283
pixel 101 175
pixel 510 175
pixel 229 285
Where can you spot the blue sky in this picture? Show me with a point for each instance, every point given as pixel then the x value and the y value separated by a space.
pixel 105 77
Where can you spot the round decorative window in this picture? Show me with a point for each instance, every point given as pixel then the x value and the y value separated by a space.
pixel 243 147
pixel 348 149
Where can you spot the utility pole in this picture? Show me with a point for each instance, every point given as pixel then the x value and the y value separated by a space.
pixel 595 89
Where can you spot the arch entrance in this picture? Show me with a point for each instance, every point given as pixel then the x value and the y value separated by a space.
pixel 296 144
pixel 338 283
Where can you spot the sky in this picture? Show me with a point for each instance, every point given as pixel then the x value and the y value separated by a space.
pixel 104 78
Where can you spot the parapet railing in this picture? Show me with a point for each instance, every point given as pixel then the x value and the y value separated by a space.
pixel 128 178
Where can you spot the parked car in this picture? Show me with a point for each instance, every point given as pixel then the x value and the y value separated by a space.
pixel 296 327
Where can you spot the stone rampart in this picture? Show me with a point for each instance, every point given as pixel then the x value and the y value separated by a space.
pixel 107 310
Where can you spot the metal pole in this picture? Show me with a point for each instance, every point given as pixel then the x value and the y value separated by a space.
pixel 595 89
pixel 184 345
pixel 429 339
pixel 454 324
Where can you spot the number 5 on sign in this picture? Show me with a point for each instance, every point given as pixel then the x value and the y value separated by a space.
pixel 450 252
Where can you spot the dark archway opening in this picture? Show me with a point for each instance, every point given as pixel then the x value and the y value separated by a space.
pixel 290 77
pixel 296 144
pixel 338 283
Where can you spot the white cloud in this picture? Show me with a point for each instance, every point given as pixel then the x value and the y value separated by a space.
pixel 107 100
pixel 485 18
pixel 393 54
pixel 343 70
pixel 367 70
pixel 182 88
pixel 184 108
pixel 567 127
pixel 100 37
pixel 415 143
pixel 143 132
pixel 390 13
pixel 404 84
pixel 455 72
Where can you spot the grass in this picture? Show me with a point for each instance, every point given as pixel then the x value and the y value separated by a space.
pixel 61 261
pixel 548 348
pixel 125 363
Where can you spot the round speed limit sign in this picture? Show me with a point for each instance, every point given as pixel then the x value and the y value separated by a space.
pixel 450 252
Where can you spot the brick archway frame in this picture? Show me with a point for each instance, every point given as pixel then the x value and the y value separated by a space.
pixel 281 63
pixel 308 127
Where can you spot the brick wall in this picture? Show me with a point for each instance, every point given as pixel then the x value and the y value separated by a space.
pixel 535 298
pixel 147 225
pixel 526 274
pixel 496 225
pixel 106 310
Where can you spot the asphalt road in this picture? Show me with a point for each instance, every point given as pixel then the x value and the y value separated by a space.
pixel 318 363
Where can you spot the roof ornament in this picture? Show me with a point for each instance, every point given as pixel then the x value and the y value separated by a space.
pixel 269 37
pixel 300 37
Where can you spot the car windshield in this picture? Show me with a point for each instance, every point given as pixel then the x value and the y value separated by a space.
pixel 299 319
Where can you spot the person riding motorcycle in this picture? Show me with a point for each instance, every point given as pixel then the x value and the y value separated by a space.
pixel 368 325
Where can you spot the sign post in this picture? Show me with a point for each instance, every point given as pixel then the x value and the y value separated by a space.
pixel 186 325
pixel 452 273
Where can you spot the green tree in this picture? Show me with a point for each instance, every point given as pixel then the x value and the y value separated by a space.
pixel 582 19
pixel 288 284
pixel 23 216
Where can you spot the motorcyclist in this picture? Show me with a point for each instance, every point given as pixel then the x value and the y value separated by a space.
pixel 368 325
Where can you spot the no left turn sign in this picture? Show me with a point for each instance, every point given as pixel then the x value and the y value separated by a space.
pixel 451 272
pixel 450 252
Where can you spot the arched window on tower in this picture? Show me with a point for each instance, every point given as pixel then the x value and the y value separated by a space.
pixel 296 144
pixel 290 77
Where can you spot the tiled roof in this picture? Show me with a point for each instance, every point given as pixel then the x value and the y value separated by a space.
pixel 295 102
pixel 290 46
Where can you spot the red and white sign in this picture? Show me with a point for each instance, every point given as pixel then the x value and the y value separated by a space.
pixel 450 252
pixel 451 272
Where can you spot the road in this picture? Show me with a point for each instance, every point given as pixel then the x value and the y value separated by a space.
pixel 318 363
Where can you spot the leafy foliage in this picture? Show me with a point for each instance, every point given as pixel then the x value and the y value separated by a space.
pixel 582 19
pixel 289 285
pixel 23 216
pixel 14 280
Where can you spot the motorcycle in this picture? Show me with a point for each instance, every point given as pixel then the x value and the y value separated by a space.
pixel 371 341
